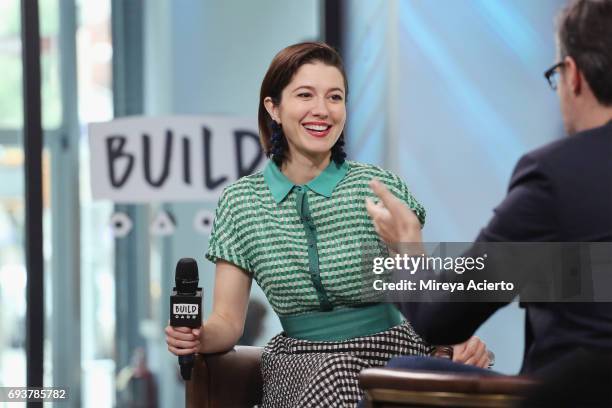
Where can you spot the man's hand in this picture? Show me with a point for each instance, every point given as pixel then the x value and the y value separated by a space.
pixel 393 220
pixel 472 352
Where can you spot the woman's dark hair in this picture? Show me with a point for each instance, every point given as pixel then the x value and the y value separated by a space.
pixel 281 71
pixel 585 34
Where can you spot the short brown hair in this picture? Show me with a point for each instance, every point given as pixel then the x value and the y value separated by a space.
pixel 281 71
pixel 585 34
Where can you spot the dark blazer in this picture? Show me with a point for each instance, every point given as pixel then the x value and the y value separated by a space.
pixel 561 192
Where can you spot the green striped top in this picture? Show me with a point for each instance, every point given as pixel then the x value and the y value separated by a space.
pixel 308 247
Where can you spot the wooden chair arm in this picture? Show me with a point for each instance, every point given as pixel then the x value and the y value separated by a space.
pixel 392 387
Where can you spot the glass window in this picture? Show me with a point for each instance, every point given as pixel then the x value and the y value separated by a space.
pixel 11 100
pixel 13 274
pixel 12 268
pixel 10 63
pixel 12 256
pixel 94 52
pixel 49 63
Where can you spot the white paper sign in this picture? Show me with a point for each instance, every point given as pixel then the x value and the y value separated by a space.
pixel 176 158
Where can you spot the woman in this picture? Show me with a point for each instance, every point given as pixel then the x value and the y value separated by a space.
pixel 299 228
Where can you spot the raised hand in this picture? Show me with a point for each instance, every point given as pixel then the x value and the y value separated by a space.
pixel 393 220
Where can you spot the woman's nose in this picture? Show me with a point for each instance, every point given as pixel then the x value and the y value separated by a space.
pixel 320 108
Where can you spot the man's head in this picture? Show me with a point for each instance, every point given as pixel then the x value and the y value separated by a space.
pixel 584 45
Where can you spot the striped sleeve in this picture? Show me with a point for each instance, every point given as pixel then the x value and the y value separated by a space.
pixel 407 197
pixel 225 242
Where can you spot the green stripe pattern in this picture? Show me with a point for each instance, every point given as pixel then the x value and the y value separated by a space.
pixel 269 240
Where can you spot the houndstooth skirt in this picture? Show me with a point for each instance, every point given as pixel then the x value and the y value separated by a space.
pixel 300 373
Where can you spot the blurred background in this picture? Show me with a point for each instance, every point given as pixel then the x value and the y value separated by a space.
pixel 446 93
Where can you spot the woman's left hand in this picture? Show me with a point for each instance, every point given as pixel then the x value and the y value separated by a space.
pixel 472 352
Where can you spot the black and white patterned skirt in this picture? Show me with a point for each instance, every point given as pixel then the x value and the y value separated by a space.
pixel 301 373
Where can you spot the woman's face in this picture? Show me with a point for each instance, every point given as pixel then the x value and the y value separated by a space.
pixel 312 111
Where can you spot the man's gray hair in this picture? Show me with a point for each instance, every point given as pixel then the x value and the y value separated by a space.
pixel 585 34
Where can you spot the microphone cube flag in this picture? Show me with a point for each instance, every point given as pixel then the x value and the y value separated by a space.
pixel 186 310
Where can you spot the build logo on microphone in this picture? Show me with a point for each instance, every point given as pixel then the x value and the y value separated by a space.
pixel 185 311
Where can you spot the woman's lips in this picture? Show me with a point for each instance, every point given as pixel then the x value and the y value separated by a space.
pixel 317 130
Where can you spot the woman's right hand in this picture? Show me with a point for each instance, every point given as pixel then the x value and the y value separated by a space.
pixel 223 327
pixel 183 340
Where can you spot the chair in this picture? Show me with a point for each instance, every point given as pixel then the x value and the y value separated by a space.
pixel 233 380
pixel 226 380
pixel 391 387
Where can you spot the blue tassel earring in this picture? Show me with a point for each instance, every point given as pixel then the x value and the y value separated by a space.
pixel 338 154
pixel 276 142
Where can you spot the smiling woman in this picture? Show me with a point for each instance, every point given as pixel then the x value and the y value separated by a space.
pixel 303 98
pixel 310 111
pixel 301 230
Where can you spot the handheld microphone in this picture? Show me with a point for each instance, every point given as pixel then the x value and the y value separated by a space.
pixel 186 306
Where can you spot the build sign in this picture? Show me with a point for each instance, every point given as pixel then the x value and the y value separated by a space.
pixel 168 159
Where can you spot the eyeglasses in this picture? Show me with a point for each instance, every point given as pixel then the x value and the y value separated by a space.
pixel 552 75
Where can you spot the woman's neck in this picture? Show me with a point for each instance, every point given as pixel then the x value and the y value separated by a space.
pixel 301 169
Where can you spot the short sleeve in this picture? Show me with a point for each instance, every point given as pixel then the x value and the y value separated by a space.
pixel 407 197
pixel 225 243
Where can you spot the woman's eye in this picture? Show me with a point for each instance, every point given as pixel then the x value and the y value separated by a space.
pixel 336 97
pixel 305 95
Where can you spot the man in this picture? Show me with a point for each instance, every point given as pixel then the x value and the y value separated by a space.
pixel 561 192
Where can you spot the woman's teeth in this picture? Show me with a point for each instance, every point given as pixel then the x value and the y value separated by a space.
pixel 316 128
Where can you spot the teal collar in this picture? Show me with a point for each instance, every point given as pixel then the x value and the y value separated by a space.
pixel 324 184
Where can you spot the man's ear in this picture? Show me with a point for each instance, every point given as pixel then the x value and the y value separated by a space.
pixel 573 76
pixel 272 109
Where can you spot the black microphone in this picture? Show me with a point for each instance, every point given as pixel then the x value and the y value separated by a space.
pixel 186 306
